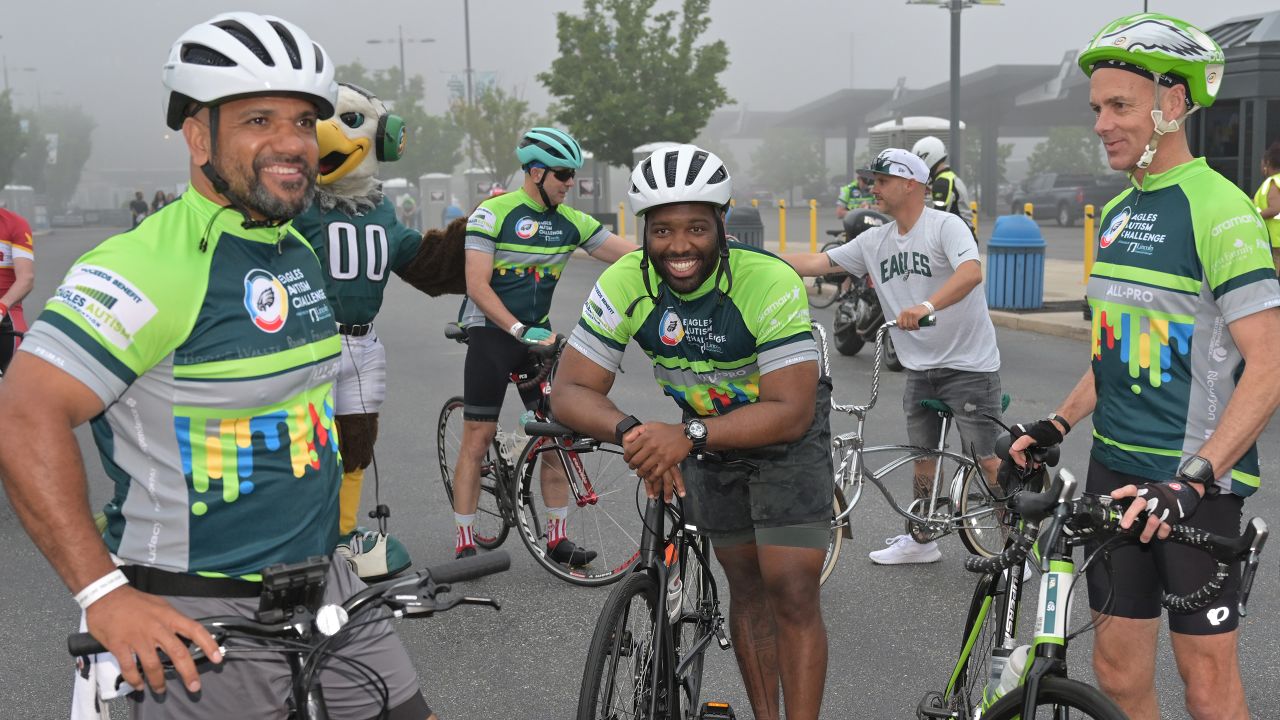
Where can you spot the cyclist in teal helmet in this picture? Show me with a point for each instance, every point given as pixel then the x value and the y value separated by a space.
pixel 1184 364
pixel 516 248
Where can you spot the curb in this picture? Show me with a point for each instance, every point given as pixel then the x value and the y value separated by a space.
pixel 1077 330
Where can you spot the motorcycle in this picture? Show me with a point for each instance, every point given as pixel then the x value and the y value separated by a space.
pixel 858 313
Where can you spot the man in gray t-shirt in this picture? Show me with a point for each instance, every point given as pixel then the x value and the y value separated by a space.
pixel 923 263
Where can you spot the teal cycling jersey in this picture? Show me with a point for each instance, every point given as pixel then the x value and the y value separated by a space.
pixel 1178 260
pixel 530 247
pixel 213 350
pixel 853 197
pixel 710 347
pixel 358 253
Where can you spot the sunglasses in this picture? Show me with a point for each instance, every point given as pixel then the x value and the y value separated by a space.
pixel 562 175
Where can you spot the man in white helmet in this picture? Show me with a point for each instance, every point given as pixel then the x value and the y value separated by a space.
pixel 727 329
pixel 202 347
pixel 1185 365
pixel 945 187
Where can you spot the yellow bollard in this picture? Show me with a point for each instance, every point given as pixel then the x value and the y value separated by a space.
pixel 813 226
pixel 782 225
pixel 1029 210
pixel 1088 241
pixel 733 202
pixel 755 203
pixel 622 220
pixel 973 208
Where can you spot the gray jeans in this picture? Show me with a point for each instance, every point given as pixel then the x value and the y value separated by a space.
pixel 972 396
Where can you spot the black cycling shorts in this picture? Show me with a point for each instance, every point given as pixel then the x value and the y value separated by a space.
pixel 492 357
pixel 1140 572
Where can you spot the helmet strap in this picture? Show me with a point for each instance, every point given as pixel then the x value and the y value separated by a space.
pixel 222 187
pixel 644 267
pixel 722 267
pixel 546 201
pixel 1162 126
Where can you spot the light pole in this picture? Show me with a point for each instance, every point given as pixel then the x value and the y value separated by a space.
pixel 402 40
pixel 466 26
pixel 955 151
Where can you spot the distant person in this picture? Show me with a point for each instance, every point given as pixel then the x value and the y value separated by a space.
pixel 1267 199
pixel 138 206
pixel 948 191
pixel 407 209
pixel 17 275
pixel 169 198
pixel 855 196
pixel 158 201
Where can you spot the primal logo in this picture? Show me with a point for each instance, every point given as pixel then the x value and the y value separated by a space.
pixel 266 300
pixel 526 228
pixel 672 328
pixel 1113 230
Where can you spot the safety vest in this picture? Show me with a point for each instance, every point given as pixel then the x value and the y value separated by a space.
pixel 1260 200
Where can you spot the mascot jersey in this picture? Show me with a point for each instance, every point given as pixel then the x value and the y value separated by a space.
pixel 358 253
pixel 215 361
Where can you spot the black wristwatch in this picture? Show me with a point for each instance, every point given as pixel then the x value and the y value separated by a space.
pixel 696 431
pixel 1198 470
pixel 624 427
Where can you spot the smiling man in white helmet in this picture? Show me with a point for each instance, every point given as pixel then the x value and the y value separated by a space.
pixel 727 329
pixel 198 348
pixel 1185 366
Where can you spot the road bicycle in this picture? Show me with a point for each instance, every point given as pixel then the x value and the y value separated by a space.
pixel 984 684
pixel 602 490
pixel 646 655
pixel 293 622
pixel 960 499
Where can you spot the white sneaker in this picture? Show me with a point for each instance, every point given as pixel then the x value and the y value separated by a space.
pixel 902 549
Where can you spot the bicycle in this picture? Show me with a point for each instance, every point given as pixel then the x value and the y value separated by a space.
pixel 968 505
pixel 293 622
pixel 989 639
pixel 600 485
pixel 646 654
pixel 836 280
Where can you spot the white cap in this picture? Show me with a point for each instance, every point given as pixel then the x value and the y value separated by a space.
pixel 902 163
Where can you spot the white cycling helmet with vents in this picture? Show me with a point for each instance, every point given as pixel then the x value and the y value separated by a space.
pixel 241 54
pixel 931 150
pixel 679 174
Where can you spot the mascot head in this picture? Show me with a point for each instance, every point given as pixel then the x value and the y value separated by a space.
pixel 361 133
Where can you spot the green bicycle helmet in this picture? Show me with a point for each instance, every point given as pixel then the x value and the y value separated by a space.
pixel 1163 45
pixel 551 147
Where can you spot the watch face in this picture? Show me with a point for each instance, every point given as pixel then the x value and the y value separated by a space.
pixel 1198 469
pixel 695 429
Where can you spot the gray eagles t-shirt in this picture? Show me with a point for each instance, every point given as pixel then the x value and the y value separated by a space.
pixel 906 270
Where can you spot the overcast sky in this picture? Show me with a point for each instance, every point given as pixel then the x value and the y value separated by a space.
pixel 106 56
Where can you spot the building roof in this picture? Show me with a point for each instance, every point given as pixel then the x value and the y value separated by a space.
pixel 1247 30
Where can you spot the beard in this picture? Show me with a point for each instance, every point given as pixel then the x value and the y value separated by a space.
pixel 684 285
pixel 247 189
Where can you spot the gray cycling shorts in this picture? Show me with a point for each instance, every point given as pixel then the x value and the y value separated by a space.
pixel 972 396
pixel 256 683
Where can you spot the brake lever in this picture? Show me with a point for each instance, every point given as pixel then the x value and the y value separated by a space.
pixel 1251 563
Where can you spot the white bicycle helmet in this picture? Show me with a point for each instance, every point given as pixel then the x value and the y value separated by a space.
pixel 240 54
pixel 931 150
pixel 679 174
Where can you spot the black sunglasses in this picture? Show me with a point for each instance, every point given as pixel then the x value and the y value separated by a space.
pixel 562 175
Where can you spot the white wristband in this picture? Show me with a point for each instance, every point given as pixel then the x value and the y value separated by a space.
pixel 929 306
pixel 517 329
pixel 94 591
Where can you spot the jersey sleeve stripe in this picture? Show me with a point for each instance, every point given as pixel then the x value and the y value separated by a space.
pixel 607 341
pixel 596 349
pixel 1249 299
pixel 66 346
pixel 23 253
pixel 800 337
pixel 781 357
pixel 483 243
pixel 1239 281
pixel 593 243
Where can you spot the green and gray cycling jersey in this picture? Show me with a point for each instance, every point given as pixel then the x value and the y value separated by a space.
pixel 215 366
pixel 530 247
pixel 853 197
pixel 708 350
pixel 1178 260
pixel 358 253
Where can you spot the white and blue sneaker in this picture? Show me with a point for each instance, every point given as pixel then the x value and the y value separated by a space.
pixel 903 550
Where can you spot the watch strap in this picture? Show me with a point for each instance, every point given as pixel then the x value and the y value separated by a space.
pixel 699 443
pixel 1066 426
pixel 624 426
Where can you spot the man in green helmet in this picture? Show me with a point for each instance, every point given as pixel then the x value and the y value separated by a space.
pixel 1185 366
pixel 517 245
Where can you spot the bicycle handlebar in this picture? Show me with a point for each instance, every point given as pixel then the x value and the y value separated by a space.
pixel 1094 515
pixel 881 333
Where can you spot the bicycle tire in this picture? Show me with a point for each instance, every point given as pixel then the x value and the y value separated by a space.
pixel 821 300
pixel 603 510
pixel 690 630
pixel 835 541
pixel 891 360
pixel 986 534
pixel 615 681
pixel 1058 693
pixel 982 632
pixel 491 527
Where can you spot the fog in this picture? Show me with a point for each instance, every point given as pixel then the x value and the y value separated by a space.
pixel 106 56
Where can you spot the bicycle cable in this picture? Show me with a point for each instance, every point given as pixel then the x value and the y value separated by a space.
pixel 1102 551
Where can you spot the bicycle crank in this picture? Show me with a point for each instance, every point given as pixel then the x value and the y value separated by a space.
pixel 933 527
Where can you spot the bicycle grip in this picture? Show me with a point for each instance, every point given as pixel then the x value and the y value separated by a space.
pixel 1014 554
pixel 1199 599
pixel 470 568
pixel 546 429
pixel 80 644
pixel 929 320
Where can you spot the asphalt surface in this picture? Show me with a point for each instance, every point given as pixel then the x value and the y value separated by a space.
pixel 893 631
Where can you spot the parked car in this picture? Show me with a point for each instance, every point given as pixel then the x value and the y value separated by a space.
pixel 1062 196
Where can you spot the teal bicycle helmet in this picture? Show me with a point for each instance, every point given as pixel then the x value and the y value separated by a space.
pixel 550 147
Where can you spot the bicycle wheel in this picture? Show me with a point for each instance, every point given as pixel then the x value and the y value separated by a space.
pixel 981 636
pixel 835 540
pixel 1062 698
pixel 826 288
pixel 603 507
pixel 617 677
pixel 986 532
pixel 490 527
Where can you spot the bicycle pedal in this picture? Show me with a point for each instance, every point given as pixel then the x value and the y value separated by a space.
pixel 712 710
pixel 722 639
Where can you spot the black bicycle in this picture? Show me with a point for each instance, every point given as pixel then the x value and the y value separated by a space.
pixel 293 621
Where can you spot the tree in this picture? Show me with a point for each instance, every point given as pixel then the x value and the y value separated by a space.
pixel 624 78
pixel 1074 150
pixel 971 173
pixel 494 123
pixel 12 139
pixel 74 128
pixel 435 141
pixel 29 169
pixel 788 158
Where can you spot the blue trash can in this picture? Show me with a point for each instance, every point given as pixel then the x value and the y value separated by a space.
pixel 1015 264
